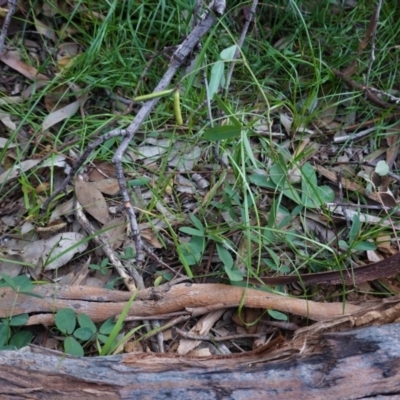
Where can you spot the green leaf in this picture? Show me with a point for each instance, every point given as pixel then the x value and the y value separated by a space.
pixel 5 333
pixel 274 257
pixel 104 263
pixel 364 246
pixel 83 333
pixel 278 315
pixel 313 196
pixel 225 256
pixel 107 326
pixel 73 347
pixel 192 251
pixel 234 275
pixel 308 175
pixel 84 321
pixel 19 320
pixel 21 339
pixel 138 182
pixel 382 168
pixel 262 181
pixel 222 132
pixel 102 338
pixel 355 228
pixel 196 222
pixel 217 78
pixel 191 231
pixel 10 282
pixel 65 320
pixel 228 53
pixel 279 177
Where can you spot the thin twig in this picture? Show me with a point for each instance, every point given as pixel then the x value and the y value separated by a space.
pixel 249 18
pixel 102 241
pixel 12 4
pixel 354 136
pixel 178 58
pixel 373 40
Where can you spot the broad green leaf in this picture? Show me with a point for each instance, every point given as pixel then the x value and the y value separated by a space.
pixel 196 222
pixel 192 251
pixel 364 246
pixel 85 321
pixel 278 315
pixel 191 231
pixel 9 282
pixel 217 78
pixel 225 256
pixel 278 175
pixel 227 260
pixel 65 320
pixel 21 339
pixel 222 132
pixel 274 257
pixel 73 347
pixel 83 333
pixel 262 181
pixel 323 194
pixel 19 320
pixel 107 326
pixel 228 53
pixel 102 338
pixel 234 275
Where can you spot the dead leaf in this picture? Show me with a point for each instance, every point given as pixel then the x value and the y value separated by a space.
pixel 108 186
pixel 92 200
pixel 202 328
pixel 15 63
pixel 62 114
pixel 116 230
pixel 15 171
pixel 58 249
pixel 101 170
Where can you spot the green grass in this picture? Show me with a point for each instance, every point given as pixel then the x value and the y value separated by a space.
pixel 285 67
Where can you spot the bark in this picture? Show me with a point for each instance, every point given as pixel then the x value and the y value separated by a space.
pixel 349 365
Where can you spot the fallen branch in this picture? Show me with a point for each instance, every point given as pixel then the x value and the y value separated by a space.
pixel 101 304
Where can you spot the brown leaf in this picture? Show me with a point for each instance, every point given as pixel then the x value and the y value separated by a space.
pixel 115 231
pixel 101 170
pixel 108 186
pixel 91 200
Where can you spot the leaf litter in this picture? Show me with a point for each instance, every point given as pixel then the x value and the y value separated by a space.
pixel 294 206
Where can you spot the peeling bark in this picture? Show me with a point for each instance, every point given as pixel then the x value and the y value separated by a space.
pixel 349 365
